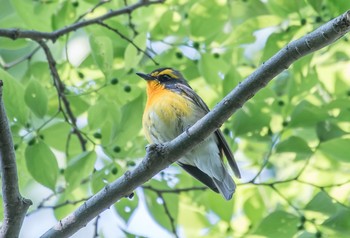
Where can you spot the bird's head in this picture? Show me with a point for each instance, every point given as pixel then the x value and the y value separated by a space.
pixel 166 77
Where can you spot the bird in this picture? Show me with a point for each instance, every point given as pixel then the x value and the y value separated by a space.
pixel 172 107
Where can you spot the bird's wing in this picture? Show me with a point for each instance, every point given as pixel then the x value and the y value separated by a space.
pixel 222 143
pixel 200 175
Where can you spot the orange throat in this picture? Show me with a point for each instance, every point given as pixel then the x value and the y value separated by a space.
pixel 154 92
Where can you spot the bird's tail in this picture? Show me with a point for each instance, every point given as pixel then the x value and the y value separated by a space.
pixel 226 186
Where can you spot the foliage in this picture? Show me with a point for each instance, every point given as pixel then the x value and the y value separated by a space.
pixel 291 139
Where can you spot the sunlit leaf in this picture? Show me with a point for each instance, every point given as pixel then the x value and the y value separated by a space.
pixel 36 98
pixel 294 144
pixel 321 203
pixel 130 123
pixel 12 89
pixel 337 149
pixel 254 208
pixel 79 168
pixel 102 52
pixel 278 224
pixel 132 56
pixel 339 222
pixel 126 207
pixel 327 130
pixel 97 115
pixel 42 164
pixel 306 114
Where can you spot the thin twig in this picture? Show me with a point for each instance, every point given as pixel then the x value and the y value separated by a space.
pixel 267 156
pixel 91 10
pixel 287 200
pixel 14 33
pixel 175 190
pixel 7 66
pixel 131 25
pixel 167 212
pixel 96 227
pixel 41 204
pixel 60 87
pixel 324 186
pixel 65 203
pixel 42 125
pixel 128 40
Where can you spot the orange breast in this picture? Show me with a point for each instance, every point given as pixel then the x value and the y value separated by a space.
pixel 169 107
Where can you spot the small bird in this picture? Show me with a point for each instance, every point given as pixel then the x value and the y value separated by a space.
pixel 172 107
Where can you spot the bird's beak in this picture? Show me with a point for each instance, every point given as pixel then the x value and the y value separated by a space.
pixel 145 76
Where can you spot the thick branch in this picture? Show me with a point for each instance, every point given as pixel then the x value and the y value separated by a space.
pixel 15 206
pixel 159 157
pixel 14 33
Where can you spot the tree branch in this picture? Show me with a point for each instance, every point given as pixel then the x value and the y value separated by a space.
pixel 175 190
pixel 14 33
pixel 100 3
pixel 128 40
pixel 7 66
pixel 160 156
pixel 15 206
pixel 60 87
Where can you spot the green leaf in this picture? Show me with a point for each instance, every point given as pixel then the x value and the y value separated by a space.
pixel 306 114
pixel 130 124
pixel 283 8
pixel 56 134
pixel 42 12
pixel 125 207
pixel 97 115
pixel 201 19
pixel 192 218
pixel 242 34
pixel 102 177
pixel 210 68
pixel 231 80
pixel 327 130
pixel 79 168
pixel 254 208
pixel 246 120
pixel 337 149
pixel 106 116
pixel 215 203
pixel 132 56
pixel 36 98
pixel 316 5
pixel 78 104
pixel 322 203
pixel 278 224
pixel 167 24
pixel 42 164
pixel 16 109
pixel 293 144
pixel 102 52
pixel 64 16
pixel 339 222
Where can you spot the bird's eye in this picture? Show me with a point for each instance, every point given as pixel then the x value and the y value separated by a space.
pixel 164 77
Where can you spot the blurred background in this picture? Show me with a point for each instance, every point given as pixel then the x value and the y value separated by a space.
pixel 78 132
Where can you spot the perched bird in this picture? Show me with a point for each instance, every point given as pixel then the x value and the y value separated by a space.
pixel 172 107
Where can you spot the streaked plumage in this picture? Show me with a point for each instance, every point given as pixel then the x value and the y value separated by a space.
pixel 172 107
